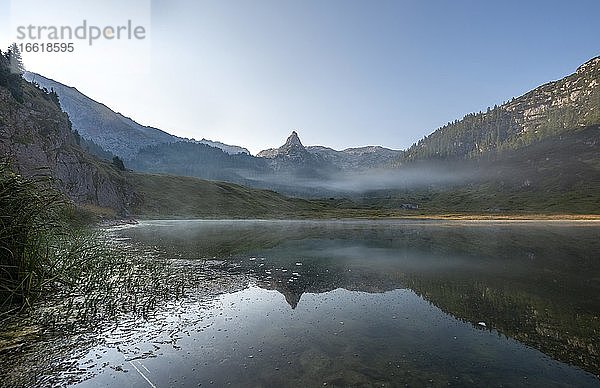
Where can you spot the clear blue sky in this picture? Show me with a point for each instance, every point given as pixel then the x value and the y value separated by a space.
pixel 342 73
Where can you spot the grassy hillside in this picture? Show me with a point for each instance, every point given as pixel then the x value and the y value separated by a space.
pixel 169 196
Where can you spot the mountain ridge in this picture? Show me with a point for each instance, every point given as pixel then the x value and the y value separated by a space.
pixel 292 147
pixel 554 107
pixel 356 158
pixel 98 130
pixel 347 159
pixel 112 130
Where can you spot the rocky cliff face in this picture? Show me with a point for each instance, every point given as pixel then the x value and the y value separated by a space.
pixel 571 102
pixel 36 137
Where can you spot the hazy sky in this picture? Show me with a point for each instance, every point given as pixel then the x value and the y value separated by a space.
pixel 342 73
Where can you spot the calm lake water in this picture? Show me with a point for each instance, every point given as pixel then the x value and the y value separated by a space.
pixel 361 303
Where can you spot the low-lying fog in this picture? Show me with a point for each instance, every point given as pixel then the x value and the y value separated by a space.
pixel 356 182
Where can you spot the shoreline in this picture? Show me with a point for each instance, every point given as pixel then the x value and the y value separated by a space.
pixel 433 217
pixel 513 217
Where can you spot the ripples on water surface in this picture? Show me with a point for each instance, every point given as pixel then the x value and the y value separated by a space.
pixel 296 303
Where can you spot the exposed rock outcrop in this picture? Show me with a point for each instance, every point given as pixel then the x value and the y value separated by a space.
pixel 36 137
pixel 349 159
pixel 293 157
pixel 292 149
pixel 360 158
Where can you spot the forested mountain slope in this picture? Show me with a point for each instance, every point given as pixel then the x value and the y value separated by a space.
pixel 554 108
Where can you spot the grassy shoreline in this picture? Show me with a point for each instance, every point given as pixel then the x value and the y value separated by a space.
pixel 448 217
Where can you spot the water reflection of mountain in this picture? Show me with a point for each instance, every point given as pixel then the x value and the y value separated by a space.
pixel 561 331
pixel 539 287
pixel 351 281
pixel 536 283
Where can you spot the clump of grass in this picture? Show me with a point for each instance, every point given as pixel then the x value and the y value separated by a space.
pixel 37 249
pixel 47 247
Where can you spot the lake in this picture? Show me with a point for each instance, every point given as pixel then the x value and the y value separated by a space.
pixel 332 303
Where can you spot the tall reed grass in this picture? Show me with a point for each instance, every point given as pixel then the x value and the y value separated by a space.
pixel 38 250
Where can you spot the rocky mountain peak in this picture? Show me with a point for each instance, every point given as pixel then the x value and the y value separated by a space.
pixel 293 146
pixel 293 140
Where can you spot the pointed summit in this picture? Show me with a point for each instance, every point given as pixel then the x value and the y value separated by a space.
pixel 294 158
pixel 292 148
pixel 293 140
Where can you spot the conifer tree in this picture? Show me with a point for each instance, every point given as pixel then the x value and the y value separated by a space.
pixel 15 60
pixel 10 78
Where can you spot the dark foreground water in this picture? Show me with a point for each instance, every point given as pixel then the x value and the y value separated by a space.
pixel 295 303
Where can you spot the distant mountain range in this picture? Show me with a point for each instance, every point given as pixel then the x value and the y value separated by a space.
pixel 105 133
pixel 538 151
pixel 151 149
pixel 292 169
pixel 112 131
pixel 359 158
pixel 293 152
pixel 37 141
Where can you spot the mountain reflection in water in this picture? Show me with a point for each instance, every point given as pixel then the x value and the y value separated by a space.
pixel 368 302
pixel 537 282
